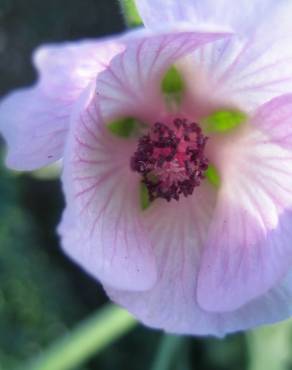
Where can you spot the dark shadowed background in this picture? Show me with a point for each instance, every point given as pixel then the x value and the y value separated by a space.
pixel 42 293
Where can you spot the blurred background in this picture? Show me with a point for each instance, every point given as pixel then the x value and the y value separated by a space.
pixel 43 295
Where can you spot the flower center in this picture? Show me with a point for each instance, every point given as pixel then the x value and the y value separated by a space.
pixel 171 159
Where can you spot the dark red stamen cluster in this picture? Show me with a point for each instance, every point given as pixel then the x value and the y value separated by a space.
pixel 171 159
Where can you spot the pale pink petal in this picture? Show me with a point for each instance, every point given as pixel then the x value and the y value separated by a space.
pixel 102 193
pixel 34 121
pixel 245 70
pixel 249 243
pixel 242 16
pixel 178 231
pixel 275 119
pixel 34 127
pixel 170 12
pixel 65 69
pixel 131 83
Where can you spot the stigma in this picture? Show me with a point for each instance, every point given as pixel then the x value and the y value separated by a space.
pixel 171 159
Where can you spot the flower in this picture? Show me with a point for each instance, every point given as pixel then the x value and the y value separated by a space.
pixel 176 145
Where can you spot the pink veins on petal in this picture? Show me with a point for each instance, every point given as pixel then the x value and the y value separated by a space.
pixel 218 259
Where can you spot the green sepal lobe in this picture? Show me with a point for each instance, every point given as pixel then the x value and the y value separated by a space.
pixel 223 121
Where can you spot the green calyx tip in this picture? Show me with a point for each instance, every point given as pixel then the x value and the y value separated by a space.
pixel 224 120
pixel 124 127
pixel 144 197
pixel 213 176
pixel 172 82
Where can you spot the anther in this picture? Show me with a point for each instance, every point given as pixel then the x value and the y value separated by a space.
pixel 171 159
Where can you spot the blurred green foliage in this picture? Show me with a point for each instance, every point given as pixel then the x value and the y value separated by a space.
pixel 37 300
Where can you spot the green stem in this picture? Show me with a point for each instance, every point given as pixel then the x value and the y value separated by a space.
pixel 184 358
pixel 168 349
pixel 88 339
pixel 269 347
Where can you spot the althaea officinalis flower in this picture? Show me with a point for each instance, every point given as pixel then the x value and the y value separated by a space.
pixel 176 142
